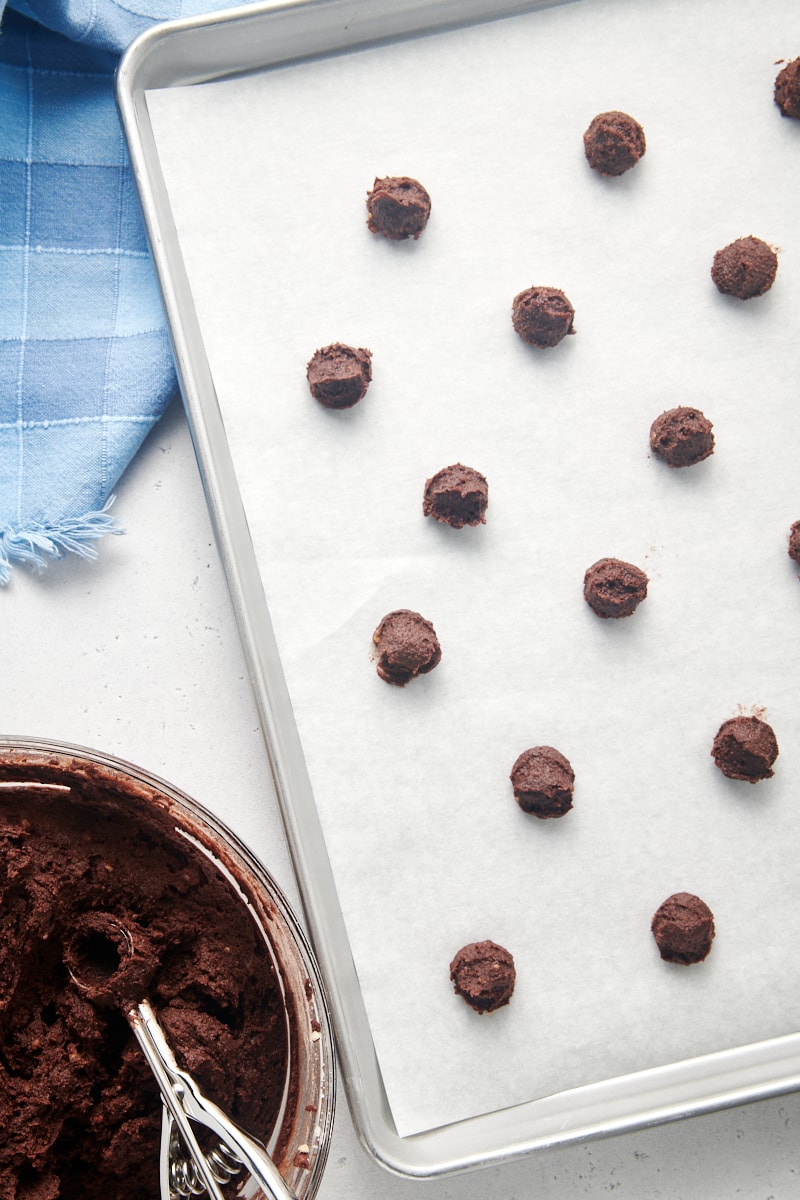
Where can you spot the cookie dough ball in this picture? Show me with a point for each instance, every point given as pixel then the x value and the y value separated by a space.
pixel 407 646
pixel 613 143
pixel 457 496
pixel 745 268
pixel 484 974
pixel 682 437
pixel 543 782
pixel 339 375
pixel 542 316
pixel 787 90
pixel 397 208
pixel 794 542
pixel 745 748
pixel 613 588
pixel 683 927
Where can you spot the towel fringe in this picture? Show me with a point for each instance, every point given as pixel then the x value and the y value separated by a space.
pixel 43 540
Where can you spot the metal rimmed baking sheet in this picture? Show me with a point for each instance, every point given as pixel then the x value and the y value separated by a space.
pixel 258 233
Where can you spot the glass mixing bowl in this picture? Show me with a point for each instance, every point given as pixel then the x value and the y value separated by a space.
pixel 300 1139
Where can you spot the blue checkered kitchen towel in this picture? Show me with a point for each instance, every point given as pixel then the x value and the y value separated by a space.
pixel 85 362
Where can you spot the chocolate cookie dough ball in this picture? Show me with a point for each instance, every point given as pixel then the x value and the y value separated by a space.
pixel 484 974
pixel 682 437
pixel 683 927
pixel 456 496
pixel 542 316
pixel 397 208
pixel 407 646
pixel 745 269
pixel 543 782
pixel 339 375
pixel 613 588
pixel 787 90
pixel 745 748
pixel 794 542
pixel 613 143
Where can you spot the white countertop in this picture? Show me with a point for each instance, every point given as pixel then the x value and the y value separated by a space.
pixel 136 654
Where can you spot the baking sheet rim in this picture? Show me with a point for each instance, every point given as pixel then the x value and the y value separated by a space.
pixel 722 1079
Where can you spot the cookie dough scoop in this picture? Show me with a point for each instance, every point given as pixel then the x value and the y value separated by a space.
pixel 110 963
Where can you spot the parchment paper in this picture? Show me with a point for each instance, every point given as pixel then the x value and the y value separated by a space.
pixel 268 176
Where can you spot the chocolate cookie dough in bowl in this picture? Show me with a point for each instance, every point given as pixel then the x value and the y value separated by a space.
pixel 85 840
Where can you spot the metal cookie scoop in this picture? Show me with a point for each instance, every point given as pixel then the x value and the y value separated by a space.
pixel 101 963
pixel 185 1106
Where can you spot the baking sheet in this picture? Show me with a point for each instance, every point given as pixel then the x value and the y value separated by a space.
pixel 266 177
